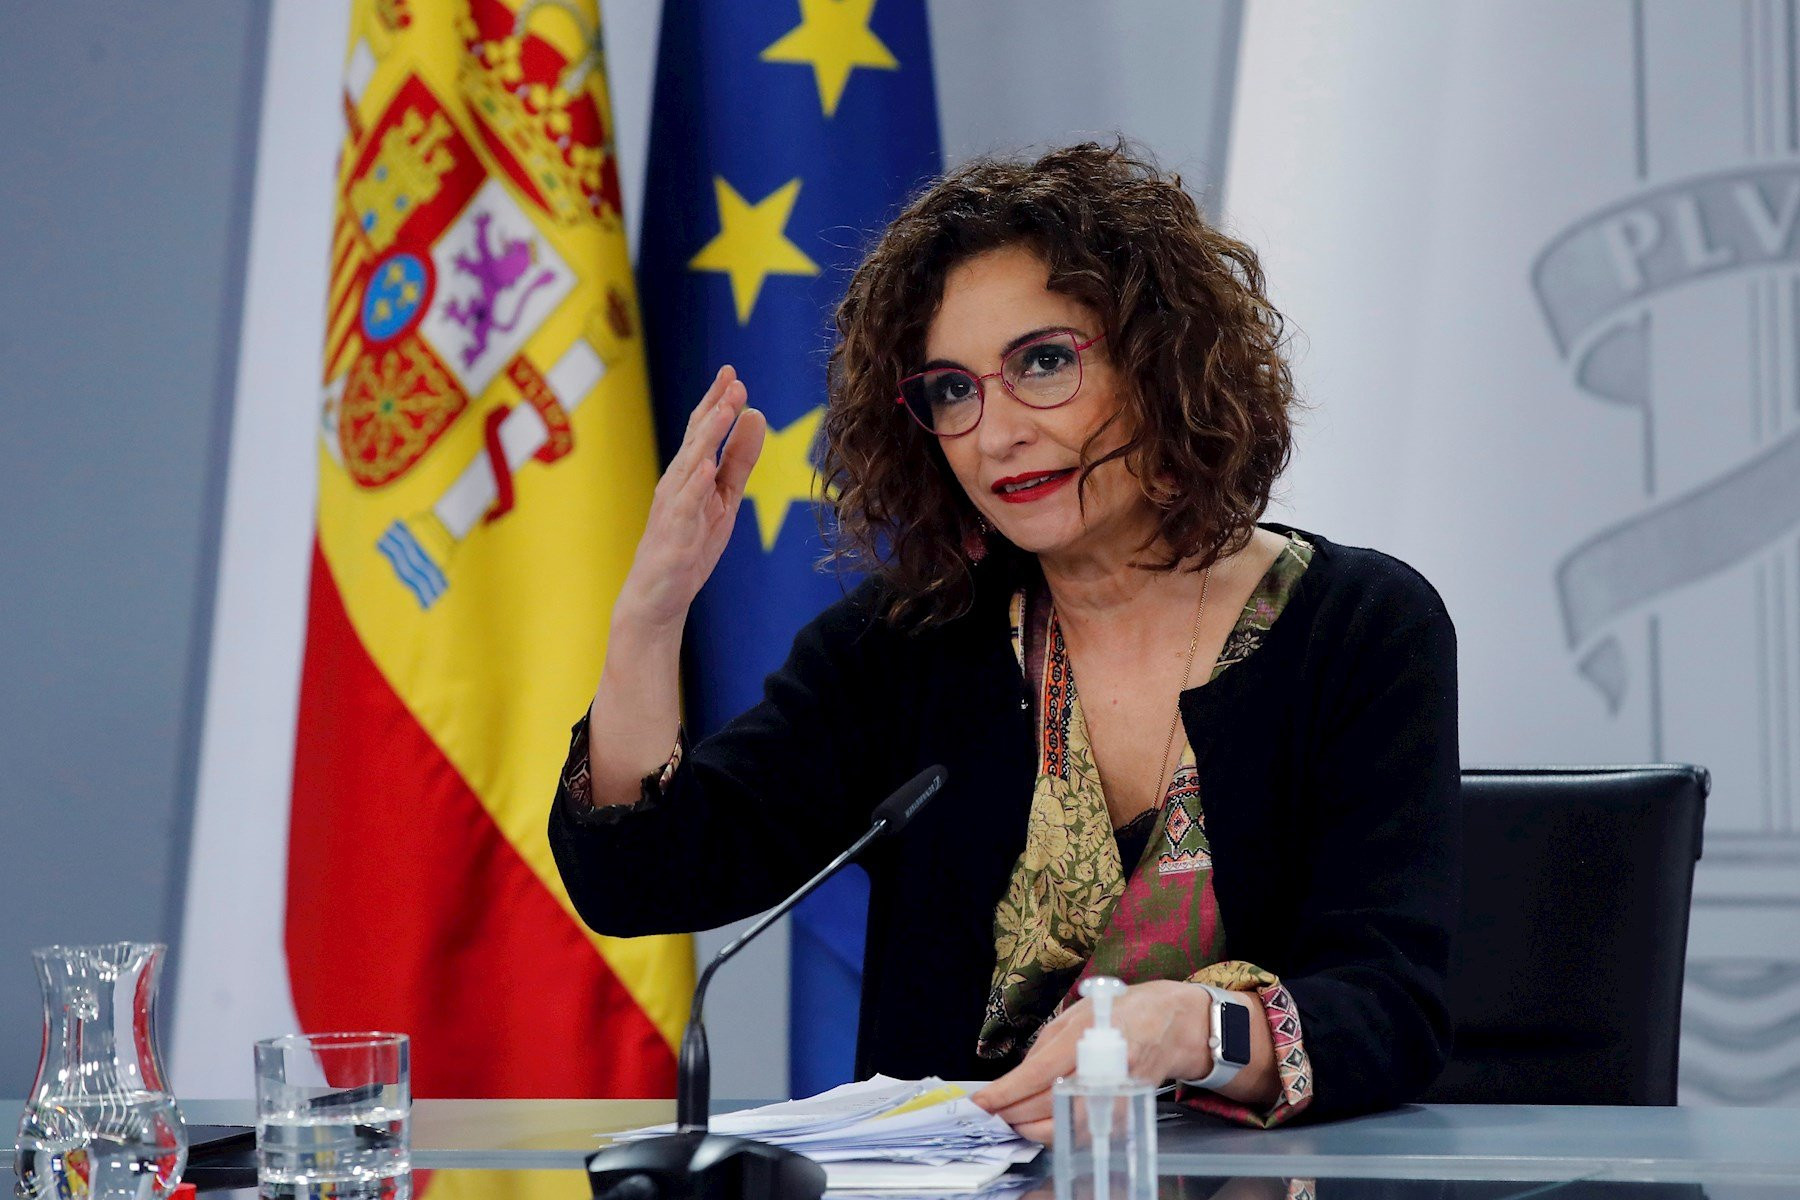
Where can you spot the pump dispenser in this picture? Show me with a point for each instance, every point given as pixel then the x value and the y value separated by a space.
pixel 1105 1120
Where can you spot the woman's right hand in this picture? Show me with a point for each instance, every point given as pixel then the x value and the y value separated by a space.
pixel 694 508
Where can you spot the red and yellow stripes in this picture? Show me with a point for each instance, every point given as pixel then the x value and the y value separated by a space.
pixel 347 262
pixel 410 910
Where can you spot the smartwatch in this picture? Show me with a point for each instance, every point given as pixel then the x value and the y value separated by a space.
pixel 1229 1040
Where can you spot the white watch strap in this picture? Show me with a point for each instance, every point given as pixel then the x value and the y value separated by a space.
pixel 1222 1072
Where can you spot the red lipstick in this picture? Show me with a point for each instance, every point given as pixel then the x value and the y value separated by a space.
pixel 1034 485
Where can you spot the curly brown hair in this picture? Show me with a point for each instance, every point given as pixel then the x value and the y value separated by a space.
pixel 1197 345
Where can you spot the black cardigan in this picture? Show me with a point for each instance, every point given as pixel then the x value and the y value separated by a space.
pixel 1328 775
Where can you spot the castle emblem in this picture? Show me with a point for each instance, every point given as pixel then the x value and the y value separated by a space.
pixel 407 172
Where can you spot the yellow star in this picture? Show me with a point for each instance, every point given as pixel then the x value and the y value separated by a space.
pixel 383 310
pixel 784 475
pixel 409 293
pixel 751 244
pixel 394 274
pixel 834 37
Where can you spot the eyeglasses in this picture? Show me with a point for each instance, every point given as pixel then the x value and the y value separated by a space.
pixel 1045 373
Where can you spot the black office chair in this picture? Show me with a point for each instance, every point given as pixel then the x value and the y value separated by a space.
pixel 1565 984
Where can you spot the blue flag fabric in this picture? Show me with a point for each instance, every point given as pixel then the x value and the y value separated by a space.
pixel 784 135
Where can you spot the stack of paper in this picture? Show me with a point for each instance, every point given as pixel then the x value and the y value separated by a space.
pixel 884 1135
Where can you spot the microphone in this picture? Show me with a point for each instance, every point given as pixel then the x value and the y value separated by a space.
pixel 691 1162
pixel 693 1095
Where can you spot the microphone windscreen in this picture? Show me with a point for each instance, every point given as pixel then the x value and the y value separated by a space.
pixel 909 798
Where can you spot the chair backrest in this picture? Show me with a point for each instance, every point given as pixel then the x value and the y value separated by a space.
pixel 1565 983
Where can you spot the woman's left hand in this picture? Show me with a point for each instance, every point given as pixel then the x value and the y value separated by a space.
pixel 1165 1024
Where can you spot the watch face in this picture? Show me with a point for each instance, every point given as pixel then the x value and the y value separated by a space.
pixel 1234 1033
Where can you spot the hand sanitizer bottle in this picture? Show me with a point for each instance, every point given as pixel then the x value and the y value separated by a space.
pixel 1105 1120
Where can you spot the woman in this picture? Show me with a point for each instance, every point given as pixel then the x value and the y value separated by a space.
pixel 1057 408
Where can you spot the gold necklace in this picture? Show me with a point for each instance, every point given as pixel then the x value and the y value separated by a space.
pixel 1187 673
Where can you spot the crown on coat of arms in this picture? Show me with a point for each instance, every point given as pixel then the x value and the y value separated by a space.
pixel 536 112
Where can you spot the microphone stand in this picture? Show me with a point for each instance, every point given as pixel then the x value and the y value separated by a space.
pixel 693 1163
pixel 693 1095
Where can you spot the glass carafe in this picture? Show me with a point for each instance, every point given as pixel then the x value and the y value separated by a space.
pixel 100 1123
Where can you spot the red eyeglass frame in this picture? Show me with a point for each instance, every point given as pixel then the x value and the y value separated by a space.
pixel 981 383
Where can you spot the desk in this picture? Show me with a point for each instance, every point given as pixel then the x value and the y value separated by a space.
pixel 1747 1146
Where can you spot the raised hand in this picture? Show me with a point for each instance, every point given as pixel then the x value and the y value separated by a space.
pixel 637 707
pixel 695 507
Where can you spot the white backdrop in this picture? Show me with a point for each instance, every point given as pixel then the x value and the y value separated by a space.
pixel 1542 259
pixel 1155 70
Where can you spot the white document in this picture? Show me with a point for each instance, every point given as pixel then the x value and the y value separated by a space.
pixel 884 1134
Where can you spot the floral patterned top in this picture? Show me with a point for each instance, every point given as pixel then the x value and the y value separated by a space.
pixel 1073 908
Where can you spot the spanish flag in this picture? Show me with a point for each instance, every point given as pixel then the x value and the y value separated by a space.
pixel 485 468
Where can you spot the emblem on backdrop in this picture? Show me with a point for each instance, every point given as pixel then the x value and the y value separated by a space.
pixel 1677 305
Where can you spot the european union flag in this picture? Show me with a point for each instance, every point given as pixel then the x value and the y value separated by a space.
pixel 783 136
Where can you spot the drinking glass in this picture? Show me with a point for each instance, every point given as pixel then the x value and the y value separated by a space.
pixel 334 1116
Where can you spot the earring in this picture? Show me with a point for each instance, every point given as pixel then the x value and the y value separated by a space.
pixel 974 541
